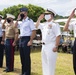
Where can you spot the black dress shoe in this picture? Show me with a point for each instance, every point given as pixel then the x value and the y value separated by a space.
pixel 6 70
pixel 0 66
pixel 22 74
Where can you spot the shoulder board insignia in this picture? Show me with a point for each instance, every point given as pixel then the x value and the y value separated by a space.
pixel 29 19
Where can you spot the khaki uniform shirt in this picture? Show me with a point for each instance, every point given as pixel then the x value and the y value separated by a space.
pixel 10 31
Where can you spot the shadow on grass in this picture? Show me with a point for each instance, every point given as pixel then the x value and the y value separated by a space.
pixel 33 50
pixel 18 71
pixel 34 73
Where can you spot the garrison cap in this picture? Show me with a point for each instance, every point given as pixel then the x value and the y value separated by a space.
pixel 23 9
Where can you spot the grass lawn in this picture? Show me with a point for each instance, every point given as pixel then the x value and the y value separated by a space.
pixel 63 65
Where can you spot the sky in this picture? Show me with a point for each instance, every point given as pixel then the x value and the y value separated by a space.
pixel 61 7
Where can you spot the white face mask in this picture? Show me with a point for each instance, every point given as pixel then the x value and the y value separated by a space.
pixel 47 17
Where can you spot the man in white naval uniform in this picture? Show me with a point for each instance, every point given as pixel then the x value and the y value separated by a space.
pixel 69 27
pixel 50 41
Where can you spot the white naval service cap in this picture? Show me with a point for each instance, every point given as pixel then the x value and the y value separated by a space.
pixel 1 16
pixel 10 16
pixel 50 11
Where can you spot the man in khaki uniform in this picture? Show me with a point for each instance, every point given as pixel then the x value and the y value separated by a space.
pixel 10 35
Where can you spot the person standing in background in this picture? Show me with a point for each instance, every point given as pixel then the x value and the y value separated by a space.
pixel 1 44
pixel 69 27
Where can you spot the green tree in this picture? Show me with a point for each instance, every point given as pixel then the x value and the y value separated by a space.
pixel 33 12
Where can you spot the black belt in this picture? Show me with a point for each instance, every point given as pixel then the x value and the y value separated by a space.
pixel 24 37
pixel 43 43
pixel 9 37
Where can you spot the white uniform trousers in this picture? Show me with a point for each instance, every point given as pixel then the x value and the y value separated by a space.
pixel 48 59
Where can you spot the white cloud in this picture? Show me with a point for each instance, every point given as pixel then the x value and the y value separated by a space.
pixel 62 7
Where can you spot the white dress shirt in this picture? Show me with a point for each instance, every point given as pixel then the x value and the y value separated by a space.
pixel 50 30
pixel 0 29
pixel 72 26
